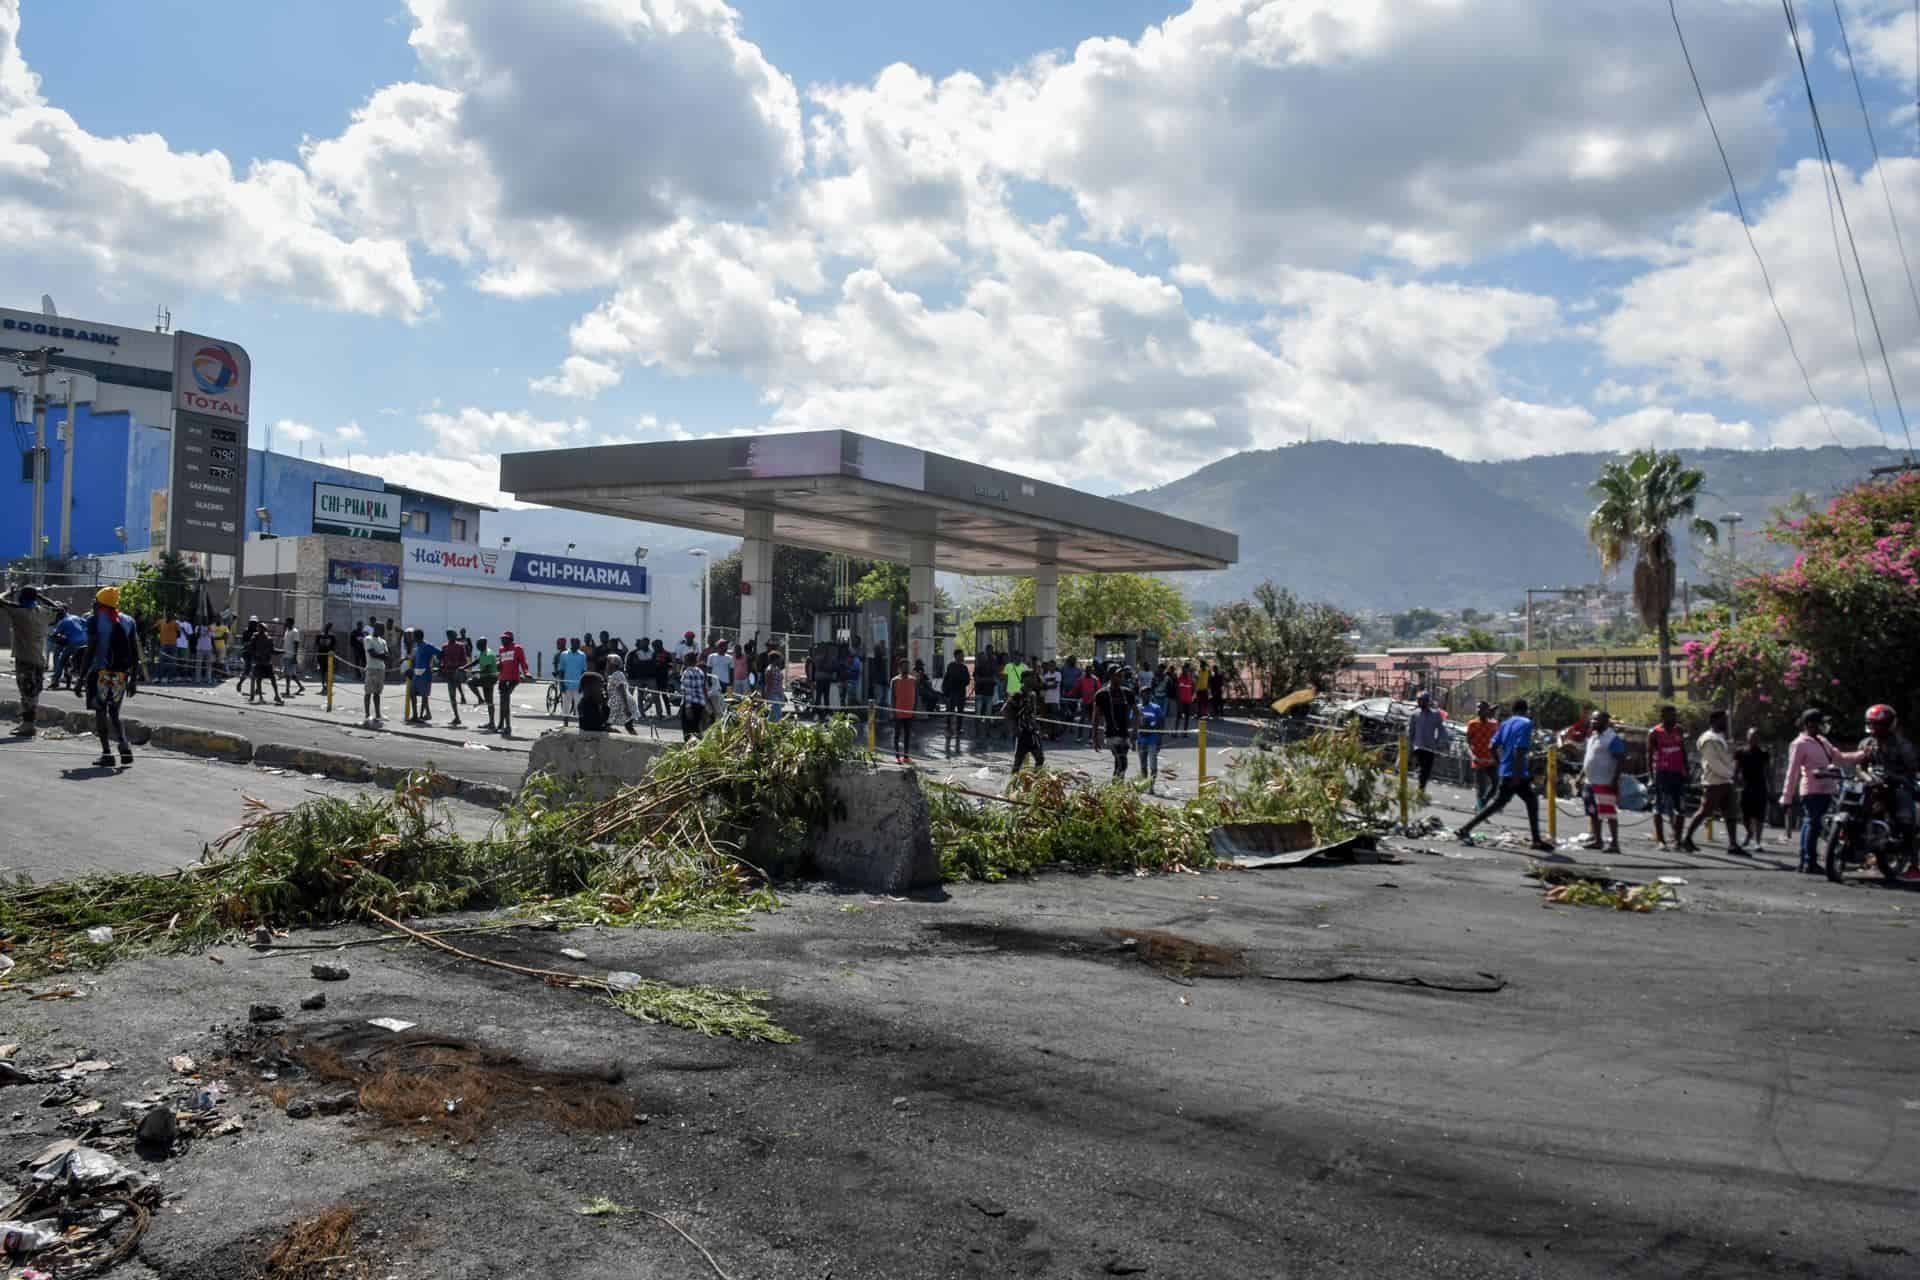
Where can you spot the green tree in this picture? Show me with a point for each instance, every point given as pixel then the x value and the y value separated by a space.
pixel 1415 622
pixel 1089 603
pixel 1472 640
pixel 168 587
pixel 1291 643
pixel 1640 500
pixel 803 582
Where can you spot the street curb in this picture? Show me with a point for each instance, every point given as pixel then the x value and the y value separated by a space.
pixel 230 747
pixel 329 764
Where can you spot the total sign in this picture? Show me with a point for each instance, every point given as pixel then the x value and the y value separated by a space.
pixel 211 377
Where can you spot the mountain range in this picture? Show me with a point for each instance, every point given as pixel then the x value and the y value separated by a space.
pixel 1391 526
pixel 1364 526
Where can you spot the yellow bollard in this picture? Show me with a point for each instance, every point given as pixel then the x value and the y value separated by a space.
pixel 1553 794
pixel 329 682
pixel 873 741
pixel 1202 740
pixel 1402 770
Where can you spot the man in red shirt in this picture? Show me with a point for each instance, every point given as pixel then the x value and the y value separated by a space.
pixel 906 697
pixel 513 669
pixel 1486 767
pixel 1667 755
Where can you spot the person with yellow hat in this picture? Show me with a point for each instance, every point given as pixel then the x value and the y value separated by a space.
pixel 112 666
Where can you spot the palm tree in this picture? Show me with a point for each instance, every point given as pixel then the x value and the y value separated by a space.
pixel 1640 499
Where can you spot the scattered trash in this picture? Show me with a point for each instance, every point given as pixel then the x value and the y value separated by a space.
pixel 623 980
pixel 299 1109
pixel 601 1207
pixel 157 1130
pixel 1669 880
pixel 87 1067
pixel 900 1103
pixel 324 972
pixel 208 1098
pixel 318 1000
pixel 313 1244
pixel 1258 845
pixel 573 953
pixel 475 746
pixel 1576 888
pixel 337 1103
pixel 265 1013
pixel 395 1025
pixel 12 1074
pixel 452 1104
pixel 6 963
pixel 24 1239
pixel 263 937
pixel 183 1064
pixel 100 935
pixel 1471 983
pixel 88 1107
pixel 81 1168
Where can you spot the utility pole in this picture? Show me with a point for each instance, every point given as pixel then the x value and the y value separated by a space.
pixel 44 366
pixel 1732 520
pixel 67 438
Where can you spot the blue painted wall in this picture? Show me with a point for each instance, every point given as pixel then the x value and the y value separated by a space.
pixel 119 463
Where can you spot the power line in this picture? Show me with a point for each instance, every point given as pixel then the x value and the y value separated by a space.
pixel 1853 313
pixel 1826 156
pixel 1747 224
pixel 1866 118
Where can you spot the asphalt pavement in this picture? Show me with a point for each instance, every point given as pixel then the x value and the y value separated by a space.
pixel 1408 1070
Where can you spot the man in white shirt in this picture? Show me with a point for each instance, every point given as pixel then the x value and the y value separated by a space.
pixel 1605 754
pixel 720 665
pixel 1716 781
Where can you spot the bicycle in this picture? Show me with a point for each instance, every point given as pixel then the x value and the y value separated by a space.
pixel 553 698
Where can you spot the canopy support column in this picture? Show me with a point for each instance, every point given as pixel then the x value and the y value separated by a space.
pixel 1046 612
pixel 920 603
pixel 756 579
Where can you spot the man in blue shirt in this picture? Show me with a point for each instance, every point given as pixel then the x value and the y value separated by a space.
pixel 1513 744
pixel 69 638
pixel 570 666
pixel 424 657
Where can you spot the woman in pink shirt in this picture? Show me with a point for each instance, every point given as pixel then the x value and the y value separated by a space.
pixel 1811 752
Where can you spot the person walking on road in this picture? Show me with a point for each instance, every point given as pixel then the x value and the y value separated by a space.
pixel 1513 743
pixel 1113 719
pixel 1153 717
pixel 453 673
pixel 112 666
pixel 290 638
pixel 260 663
pixel 568 668
pixel 486 674
pixel 1717 770
pixel 514 669
pixel 373 652
pixel 620 709
pixel 904 696
pixel 1754 767
pixel 27 620
pixel 425 657
pixel 1427 735
pixel 1022 713
pixel 1486 768
pixel 1605 755
pixel 1667 753
pixel 953 695
pixel 693 698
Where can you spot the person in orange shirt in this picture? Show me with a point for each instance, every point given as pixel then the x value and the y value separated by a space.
pixel 1486 769
pixel 906 697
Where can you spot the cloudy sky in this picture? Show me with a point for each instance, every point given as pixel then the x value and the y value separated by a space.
pixel 1106 241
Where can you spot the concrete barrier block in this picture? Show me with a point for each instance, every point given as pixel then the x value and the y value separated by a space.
pixel 328 764
pixel 598 763
pixel 78 723
pixel 139 732
pixel 884 844
pixel 203 742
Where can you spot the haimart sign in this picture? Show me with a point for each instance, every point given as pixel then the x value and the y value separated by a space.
pixel 521 570
pixel 356 513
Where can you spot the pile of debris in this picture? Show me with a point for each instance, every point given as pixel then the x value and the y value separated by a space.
pixel 1577 887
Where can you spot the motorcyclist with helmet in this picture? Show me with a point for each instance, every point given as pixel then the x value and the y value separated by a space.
pixel 1892 753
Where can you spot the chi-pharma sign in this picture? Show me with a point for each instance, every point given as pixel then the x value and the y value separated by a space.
pixel 356 513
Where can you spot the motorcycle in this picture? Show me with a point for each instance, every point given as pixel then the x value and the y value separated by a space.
pixel 1861 825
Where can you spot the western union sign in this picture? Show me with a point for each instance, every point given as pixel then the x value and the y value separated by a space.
pixel 356 513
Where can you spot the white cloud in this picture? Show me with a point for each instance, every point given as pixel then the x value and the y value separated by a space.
pixel 474 479
pixel 132 211
pixel 1733 348
pixel 472 430
pixel 578 377
pixel 352 433
pixel 290 432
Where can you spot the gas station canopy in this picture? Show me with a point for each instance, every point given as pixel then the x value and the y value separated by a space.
pixel 872 499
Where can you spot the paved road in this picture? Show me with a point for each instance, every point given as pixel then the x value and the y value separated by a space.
pixel 470 753
pixel 991 1083
pixel 63 816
